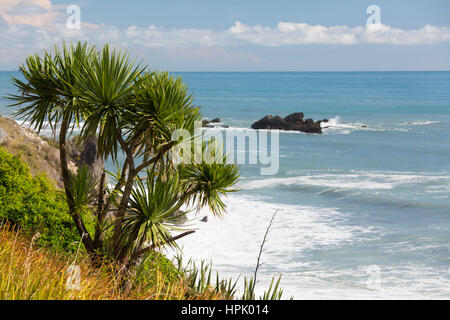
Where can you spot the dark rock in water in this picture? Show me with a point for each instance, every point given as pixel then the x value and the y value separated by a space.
pixel 296 117
pixel 292 122
pixel 271 122
pixel 207 123
pixel 204 219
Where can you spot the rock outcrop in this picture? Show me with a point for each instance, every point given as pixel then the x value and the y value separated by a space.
pixel 208 123
pixel 293 122
pixel 85 153
pixel 41 154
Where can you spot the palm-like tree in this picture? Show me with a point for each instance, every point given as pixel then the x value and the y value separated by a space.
pixel 133 111
pixel 107 89
pixel 49 96
pixel 153 213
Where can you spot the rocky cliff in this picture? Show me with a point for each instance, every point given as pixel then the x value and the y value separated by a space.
pixel 42 153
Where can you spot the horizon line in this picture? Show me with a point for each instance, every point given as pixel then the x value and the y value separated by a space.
pixel 280 71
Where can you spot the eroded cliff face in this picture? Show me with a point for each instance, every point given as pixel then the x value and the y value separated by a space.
pixel 42 154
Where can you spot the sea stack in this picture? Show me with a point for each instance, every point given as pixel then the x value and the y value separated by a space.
pixel 212 123
pixel 293 122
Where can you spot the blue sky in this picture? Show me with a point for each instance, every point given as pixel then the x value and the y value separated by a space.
pixel 201 35
pixel 221 14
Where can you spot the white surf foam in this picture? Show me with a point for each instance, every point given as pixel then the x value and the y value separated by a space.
pixel 356 180
pixel 47 130
pixel 336 126
pixel 419 123
pixel 394 282
pixel 233 243
pixel 333 126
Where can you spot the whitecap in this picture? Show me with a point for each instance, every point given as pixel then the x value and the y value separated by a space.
pixel 419 123
pixel 356 180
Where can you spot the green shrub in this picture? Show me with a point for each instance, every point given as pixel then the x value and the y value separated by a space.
pixel 34 204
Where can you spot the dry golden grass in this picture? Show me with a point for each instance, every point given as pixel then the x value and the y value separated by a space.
pixel 31 273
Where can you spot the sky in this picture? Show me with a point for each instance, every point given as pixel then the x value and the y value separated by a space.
pixel 210 35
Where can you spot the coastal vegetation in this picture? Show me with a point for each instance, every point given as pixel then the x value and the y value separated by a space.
pixel 132 111
pixel 34 204
pixel 113 231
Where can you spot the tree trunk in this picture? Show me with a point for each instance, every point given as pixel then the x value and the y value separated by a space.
pixel 76 217
pixel 122 207
pixel 98 238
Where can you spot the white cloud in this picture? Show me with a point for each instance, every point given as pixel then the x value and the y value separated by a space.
pixel 290 33
pixel 27 25
pixel 40 14
pixel 285 33
pixel 159 37
pixel 35 13
pixel 388 35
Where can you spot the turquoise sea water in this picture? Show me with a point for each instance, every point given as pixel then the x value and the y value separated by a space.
pixel 364 209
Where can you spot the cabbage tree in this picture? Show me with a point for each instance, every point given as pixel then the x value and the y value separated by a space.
pixel 133 111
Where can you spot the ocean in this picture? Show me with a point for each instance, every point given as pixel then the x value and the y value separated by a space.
pixel 363 209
